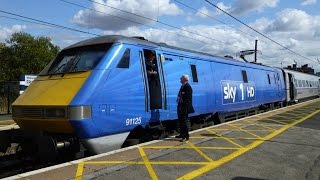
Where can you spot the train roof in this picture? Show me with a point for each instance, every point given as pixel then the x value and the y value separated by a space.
pixel 135 40
pixel 298 72
pixel 141 41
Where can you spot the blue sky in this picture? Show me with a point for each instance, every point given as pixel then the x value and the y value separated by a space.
pixel 293 23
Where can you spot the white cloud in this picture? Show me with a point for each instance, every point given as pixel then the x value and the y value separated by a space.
pixel 244 6
pixel 229 36
pixel 6 32
pixel 272 54
pixel 204 12
pixel 291 23
pixel 100 20
pixel 294 29
pixel 223 7
pixel 308 2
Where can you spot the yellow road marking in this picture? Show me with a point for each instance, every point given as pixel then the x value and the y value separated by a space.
pixel 246 131
pixel 150 162
pixel 247 125
pixel 188 147
pixel 225 138
pixel 147 164
pixel 286 117
pixel 79 171
pixel 221 129
pixel 241 151
pixel 200 152
pixel 266 127
pixel 275 121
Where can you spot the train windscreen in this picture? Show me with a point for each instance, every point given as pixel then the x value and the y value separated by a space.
pixel 77 59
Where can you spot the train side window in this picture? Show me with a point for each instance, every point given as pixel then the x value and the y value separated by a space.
pixel 244 76
pixel 125 60
pixel 269 79
pixel 194 73
pixel 275 82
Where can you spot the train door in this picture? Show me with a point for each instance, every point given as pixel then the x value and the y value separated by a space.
pixel 154 84
pixel 278 83
pixel 291 87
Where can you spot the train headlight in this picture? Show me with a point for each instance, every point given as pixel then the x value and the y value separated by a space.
pixel 79 112
pixel 55 113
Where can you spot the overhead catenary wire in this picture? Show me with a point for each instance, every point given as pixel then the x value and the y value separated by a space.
pixel 48 23
pixel 211 17
pixel 147 18
pixel 286 48
pixel 22 20
pixel 45 23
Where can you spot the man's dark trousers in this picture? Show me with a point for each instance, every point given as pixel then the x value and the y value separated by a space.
pixel 183 120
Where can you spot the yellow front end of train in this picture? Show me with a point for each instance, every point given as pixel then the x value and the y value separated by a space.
pixel 44 104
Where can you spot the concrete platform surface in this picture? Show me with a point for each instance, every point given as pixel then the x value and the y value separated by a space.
pixel 6 120
pixel 280 144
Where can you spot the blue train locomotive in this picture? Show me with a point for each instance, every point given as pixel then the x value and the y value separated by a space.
pixel 97 92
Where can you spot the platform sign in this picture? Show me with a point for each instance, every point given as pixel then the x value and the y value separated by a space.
pixel 25 81
pixel 237 92
pixel 29 79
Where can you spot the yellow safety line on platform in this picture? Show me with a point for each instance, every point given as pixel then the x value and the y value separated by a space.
pixel 200 152
pixel 218 163
pixel 225 138
pixel 147 164
pixel 79 171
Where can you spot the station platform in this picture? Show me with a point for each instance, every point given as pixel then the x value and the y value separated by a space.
pixel 6 122
pixel 279 144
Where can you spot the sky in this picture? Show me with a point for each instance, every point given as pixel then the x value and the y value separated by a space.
pixel 190 24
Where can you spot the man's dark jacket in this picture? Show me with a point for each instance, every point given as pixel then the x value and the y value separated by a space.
pixel 186 95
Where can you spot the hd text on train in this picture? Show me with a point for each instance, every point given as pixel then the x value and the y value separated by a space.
pixel 95 95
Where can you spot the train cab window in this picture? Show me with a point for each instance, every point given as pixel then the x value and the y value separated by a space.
pixel 244 76
pixel 194 73
pixel 269 80
pixel 125 60
pixel 275 78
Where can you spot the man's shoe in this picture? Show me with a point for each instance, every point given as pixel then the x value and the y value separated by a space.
pixel 179 136
pixel 183 140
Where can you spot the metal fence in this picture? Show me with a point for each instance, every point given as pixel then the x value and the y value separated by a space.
pixel 9 91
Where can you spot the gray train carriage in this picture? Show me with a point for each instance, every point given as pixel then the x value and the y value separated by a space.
pixel 301 86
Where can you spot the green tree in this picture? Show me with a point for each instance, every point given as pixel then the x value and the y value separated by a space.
pixel 25 54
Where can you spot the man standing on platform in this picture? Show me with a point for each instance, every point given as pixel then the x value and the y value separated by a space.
pixel 185 107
